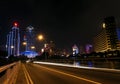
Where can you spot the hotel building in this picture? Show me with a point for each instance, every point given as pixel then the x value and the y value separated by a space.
pixel 107 39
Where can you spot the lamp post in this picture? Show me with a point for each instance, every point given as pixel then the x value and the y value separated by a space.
pixel 41 37
pixel 25 44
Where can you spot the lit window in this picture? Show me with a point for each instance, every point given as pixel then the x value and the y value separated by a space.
pixel 104 25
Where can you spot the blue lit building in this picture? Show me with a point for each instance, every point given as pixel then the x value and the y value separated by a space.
pixel 29 40
pixel 29 54
pixel 118 33
pixel 13 41
pixel 75 50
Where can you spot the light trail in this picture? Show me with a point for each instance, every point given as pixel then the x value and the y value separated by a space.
pixel 76 66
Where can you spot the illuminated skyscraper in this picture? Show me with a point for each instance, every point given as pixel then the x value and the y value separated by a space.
pixel 118 33
pixel 30 38
pixel 29 43
pixel 88 48
pixel 107 39
pixel 110 26
pixel 13 41
pixel 75 50
pixel 101 43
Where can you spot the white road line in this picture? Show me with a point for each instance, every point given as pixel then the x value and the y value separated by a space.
pixel 28 78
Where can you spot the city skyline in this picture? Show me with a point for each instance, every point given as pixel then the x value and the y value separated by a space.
pixel 66 23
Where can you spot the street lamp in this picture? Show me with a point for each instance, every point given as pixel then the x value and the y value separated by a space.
pixel 40 37
pixel 25 43
pixel 33 47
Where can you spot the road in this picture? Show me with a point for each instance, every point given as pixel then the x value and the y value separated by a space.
pixel 51 74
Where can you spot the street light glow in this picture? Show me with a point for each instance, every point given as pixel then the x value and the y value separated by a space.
pixel 32 47
pixel 104 25
pixel 40 37
pixel 24 43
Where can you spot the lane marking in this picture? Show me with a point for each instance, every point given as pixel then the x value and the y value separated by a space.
pixel 27 76
pixel 18 68
pixel 70 75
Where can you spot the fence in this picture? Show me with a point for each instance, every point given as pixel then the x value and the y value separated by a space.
pixel 9 72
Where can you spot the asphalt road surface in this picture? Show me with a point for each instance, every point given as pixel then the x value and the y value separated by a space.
pixel 51 74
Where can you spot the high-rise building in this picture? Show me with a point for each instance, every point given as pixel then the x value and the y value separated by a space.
pixel 75 49
pixel 29 43
pixel 100 42
pixel 107 39
pixel 118 33
pixel 110 26
pixel 13 41
pixel 30 38
pixel 88 48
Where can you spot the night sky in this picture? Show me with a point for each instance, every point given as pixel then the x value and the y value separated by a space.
pixel 66 22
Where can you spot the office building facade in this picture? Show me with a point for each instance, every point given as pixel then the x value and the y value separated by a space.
pixel 107 39
pixel 13 41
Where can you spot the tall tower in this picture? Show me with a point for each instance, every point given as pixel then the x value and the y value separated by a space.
pixel 30 39
pixel 13 41
pixel 107 39
pixel 75 50
pixel 110 27
pixel 29 42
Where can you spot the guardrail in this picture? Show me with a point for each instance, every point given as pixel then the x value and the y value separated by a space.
pixel 10 75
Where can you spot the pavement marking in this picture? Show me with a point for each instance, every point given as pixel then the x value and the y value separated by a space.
pixel 27 76
pixel 70 75
pixel 15 78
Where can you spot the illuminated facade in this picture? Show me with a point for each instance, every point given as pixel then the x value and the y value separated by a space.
pixel 75 50
pixel 100 42
pixel 118 33
pixel 29 38
pixel 13 41
pixel 29 43
pixel 88 48
pixel 49 47
pixel 107 39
